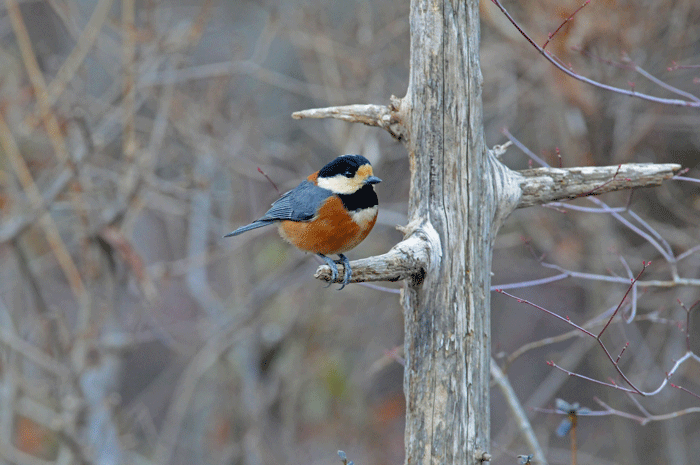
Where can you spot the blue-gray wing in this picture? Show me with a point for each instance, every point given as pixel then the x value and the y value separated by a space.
pixel 299 204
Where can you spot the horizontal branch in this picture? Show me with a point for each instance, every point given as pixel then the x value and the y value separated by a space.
pixel 543 185
pixel 409 259
pixel 382 116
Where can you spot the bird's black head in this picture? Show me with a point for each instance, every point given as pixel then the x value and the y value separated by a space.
pixel 346 174
pixel 346 165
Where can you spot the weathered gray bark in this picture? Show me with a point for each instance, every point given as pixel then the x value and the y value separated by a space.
pixel 454 184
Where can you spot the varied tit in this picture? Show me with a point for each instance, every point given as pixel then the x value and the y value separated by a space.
pixel 329 213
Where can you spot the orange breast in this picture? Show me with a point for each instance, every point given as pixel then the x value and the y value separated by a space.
pixel 332 231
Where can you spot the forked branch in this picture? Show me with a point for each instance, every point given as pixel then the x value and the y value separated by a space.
pixel 615 361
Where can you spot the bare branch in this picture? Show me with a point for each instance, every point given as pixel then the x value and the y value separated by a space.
pixel 643 420
pixel 556 62
pixel 129 89
pixel 38 82
pixel 517 410
pixel 19 166
pixel 13 226
pixel 551 35
pixel 409 259
pixel 381 116
pixel 76 58
pixel 543 185
pixel 689 355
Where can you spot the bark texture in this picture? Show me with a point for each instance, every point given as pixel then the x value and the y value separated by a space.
pixel 454 184
pixel 542 185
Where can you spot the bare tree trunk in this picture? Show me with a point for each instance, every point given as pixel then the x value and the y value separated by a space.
pixel 453 187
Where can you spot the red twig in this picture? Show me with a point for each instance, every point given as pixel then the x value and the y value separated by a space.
pixel 269 180
pixel 593 380
pixel 633 389
pixel 551 35
pixel 617 360
pixel 634 281
pixel 685 390
pixel 549 312
pixel 566 70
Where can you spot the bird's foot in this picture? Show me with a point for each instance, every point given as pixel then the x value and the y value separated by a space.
pixel 332 266
pixel 348 271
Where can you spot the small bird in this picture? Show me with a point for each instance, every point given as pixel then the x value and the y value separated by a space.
pixel 331 212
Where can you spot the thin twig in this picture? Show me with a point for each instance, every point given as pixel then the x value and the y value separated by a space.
pixel 518 413
pixel 37 80
pixel 633 389
pixel 597 321
pixel 647 418
pixel 629 289
pixel 77 56
pixel 557 63
pixel 269 180
pixel 551 36
pixel 57 245
pixel 129 90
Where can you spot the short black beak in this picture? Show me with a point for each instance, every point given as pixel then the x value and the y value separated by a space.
pixel 373 180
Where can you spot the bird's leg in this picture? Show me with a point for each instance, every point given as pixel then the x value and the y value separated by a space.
pixel 332 266
pixel 348 271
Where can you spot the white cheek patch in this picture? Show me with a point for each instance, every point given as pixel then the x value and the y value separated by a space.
pixel 339 184
pixel 365 216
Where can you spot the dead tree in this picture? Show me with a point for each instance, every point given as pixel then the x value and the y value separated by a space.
pixel 460 194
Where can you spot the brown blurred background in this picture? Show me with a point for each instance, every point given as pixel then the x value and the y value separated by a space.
pixel 133 333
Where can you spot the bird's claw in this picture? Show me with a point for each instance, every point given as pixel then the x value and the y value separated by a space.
pixel 347 270
pixel 331 265
pixel 334 269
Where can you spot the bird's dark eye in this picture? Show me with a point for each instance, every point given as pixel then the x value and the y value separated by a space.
pixel 348 174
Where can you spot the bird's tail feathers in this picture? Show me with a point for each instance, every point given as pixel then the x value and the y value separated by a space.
pixel 248 227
